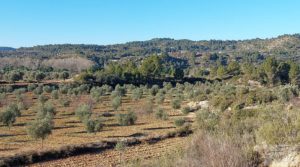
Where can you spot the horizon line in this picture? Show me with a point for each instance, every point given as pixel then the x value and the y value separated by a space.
pixel 177 39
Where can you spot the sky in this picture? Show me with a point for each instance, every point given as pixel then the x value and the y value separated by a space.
pixel 26 23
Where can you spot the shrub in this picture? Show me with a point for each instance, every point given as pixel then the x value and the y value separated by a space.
pixel 207 120
pixel 42 99
pixel 84 88
pixel 176 103
pixel 167 85
pixel 38 90
pixel 47 89
pixel 154 90
pixel 119 91
pixel 179 122
pixel 239 106
pixel 21 106
pixel 137 94
pixel 14 109
pixel 127 119
pixel 7 118
pixel 161 114
pixel 116 102
pixel 148 106
pixel 40 129
pixel 65 102
pixel 2 96
pixel 186 110
pixel 160 98
pixel 218 151
pixel 120 146
pixel 19 97
pixel 64 89
pixel 55 94
pixel 96 93
pixel 93 126
pixel 287 92
pixel 106 88
pixel 46 110
pixel 31 87
pixel 19 91
pixel 273 133
pixel 83 112
pixel 9 89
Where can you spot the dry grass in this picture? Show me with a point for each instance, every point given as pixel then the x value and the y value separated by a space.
pixel 215 151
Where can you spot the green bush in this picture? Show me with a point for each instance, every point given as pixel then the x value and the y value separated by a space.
pixel 148 106
pixel 31 87
pixel 160 98
pixel 161 114
pixel 42 99
pixel 96 93
pixel 137 94
pixel 83 112
pixel 273 133
pixel 47 89
pixel 287 92
pixel 14 109
pixel 179 122
pixel 119 91
pixel 186 110
pixel 40 129
pixel 93 126
pixel 46 110
pixel 116 102
pixel 55 94
pixel 2 96
pixel 65 102
pixel 154 90
pixel 8 118
pixel 207 120
pixel 176 103
pixel 127 119
pixel 64 89
pixel 22 106
pixel 38 90
pixel 9 89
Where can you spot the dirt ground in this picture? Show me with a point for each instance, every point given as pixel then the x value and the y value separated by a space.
pixel 112 157
pixel 69 130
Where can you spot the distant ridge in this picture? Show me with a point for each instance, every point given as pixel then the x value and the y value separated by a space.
pixel 2 48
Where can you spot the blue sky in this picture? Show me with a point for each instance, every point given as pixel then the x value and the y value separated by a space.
pixel 38 22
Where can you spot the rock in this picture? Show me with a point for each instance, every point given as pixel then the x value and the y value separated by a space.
pixel 198 105
pixel 279 155
pixel 291 160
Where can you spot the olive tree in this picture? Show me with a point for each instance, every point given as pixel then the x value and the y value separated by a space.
pixel 8 117
pixel 93 126
pixel 83 112
pixel 40 129
pixel 116 102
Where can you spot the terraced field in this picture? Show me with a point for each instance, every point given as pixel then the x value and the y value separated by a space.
pixel 112 157
pixel 69 130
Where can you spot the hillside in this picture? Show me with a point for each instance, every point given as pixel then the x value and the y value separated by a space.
pixel 6 48
pixel 78 57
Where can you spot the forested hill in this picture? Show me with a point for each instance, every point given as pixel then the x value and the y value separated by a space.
pixel 283 47
pixel 6 48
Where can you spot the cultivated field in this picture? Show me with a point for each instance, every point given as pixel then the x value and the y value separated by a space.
pixel 69 130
